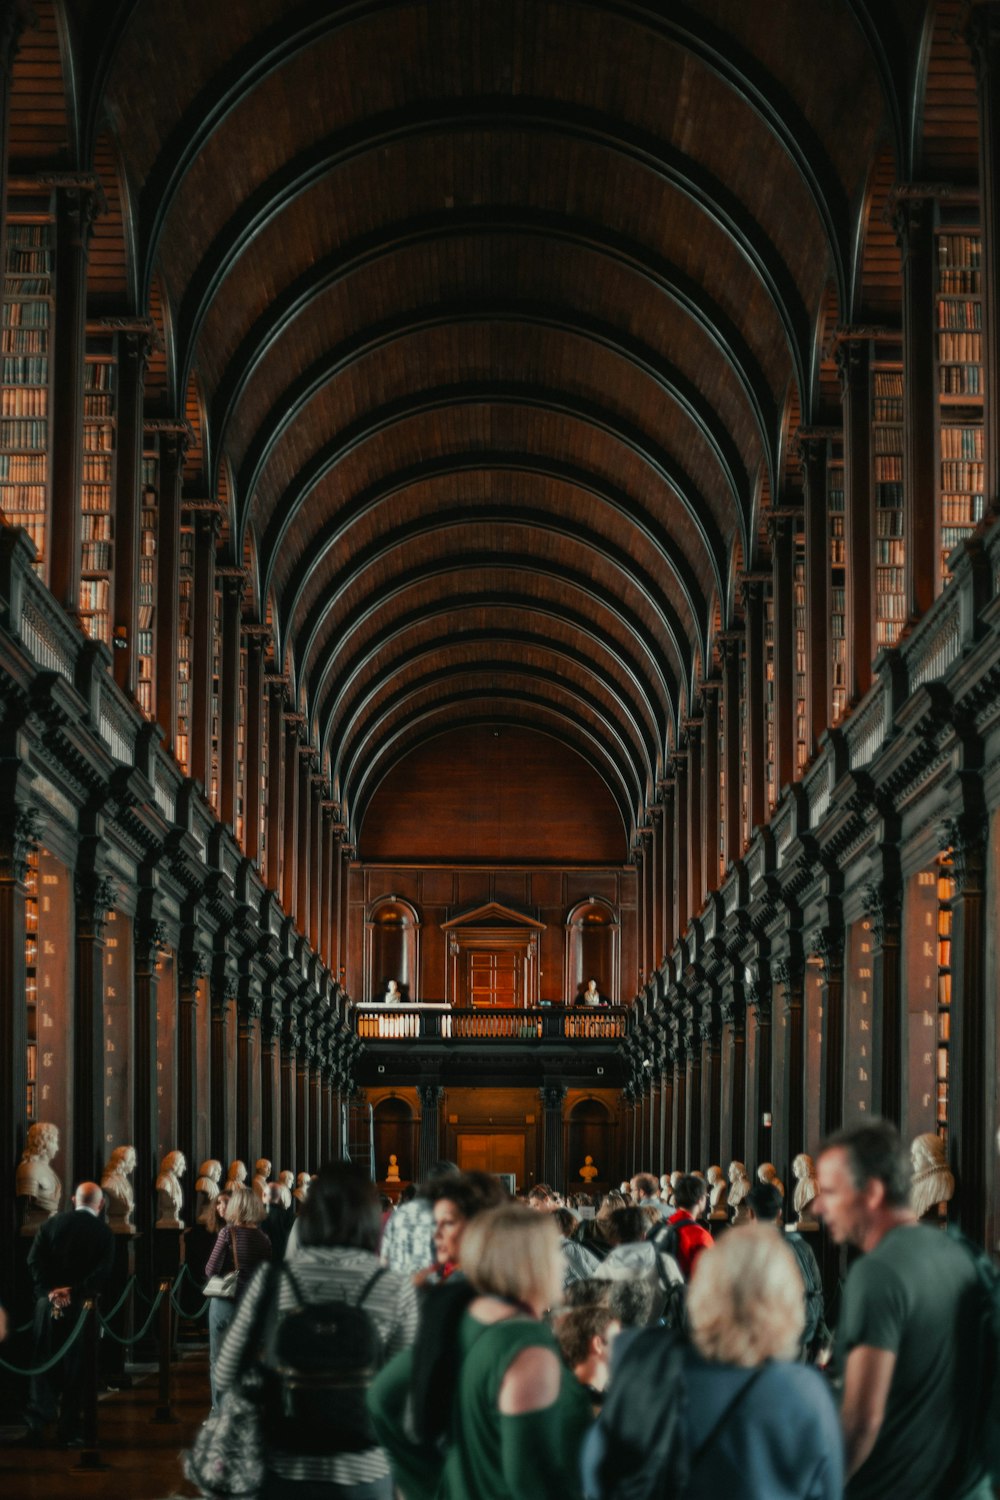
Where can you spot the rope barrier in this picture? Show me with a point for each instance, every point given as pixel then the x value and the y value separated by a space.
pixel 50 1364
pixel 121 1300
pixel 110 1333
pixel 182 1312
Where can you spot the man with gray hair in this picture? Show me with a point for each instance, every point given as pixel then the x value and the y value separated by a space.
pixel 72 1257
pixel 910 1337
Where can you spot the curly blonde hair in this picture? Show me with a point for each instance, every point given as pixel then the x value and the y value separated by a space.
pixel 747 1303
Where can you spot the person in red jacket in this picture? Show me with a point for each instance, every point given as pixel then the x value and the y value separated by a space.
pixel 692 1238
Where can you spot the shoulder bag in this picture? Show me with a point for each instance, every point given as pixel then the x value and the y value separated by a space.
pixel 226 1285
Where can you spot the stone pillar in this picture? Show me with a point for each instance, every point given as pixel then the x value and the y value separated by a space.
pixel 95 897
pixel 20 833
pixel 730 646
pixel 819 686
pixel 753 605
pixel 913 221
pixel 696 887
pixel 78 204
pixel 173 446
pixel 431 1095
pixel 233 582
pixel 972 1148
pixel 133 351
pixel 854 360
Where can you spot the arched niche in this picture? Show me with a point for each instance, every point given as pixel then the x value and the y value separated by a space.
pixel 589 1132
pixel 392 948
pixel 395 1135
pixel 592 950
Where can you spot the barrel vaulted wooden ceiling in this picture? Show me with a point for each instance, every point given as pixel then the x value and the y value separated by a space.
pixel 494 318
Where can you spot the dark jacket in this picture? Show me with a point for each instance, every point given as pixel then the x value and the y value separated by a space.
pixel 278 1226
pixel 73 1249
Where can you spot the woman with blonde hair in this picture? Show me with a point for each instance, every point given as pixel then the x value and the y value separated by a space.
pixel 239 1246
pixel 727 1412
pixel 507 1422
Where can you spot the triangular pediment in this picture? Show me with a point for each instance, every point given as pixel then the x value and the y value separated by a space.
pixel 493 914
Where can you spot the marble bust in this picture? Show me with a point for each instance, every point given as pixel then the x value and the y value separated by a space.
pixel 303 1186
pixel 392 995
pixel 806 1189
pixel 207 1188
pixel 37 1187
pixel 766 1173
pixel 591 995
pixel 117 1189
pixel 588 1171
pixel 392 1175
pixel 168 1186
pixel 933 1186
pixel 739 1186
pixel 261 1176
pixel 236 1176
pixel 718 1198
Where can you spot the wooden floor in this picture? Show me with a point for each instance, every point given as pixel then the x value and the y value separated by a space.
pixel 142 1456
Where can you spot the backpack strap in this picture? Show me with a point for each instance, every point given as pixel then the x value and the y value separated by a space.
pixel 725 1414
pixel 369 1284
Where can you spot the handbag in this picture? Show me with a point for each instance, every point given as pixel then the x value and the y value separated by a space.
pixel 226 1285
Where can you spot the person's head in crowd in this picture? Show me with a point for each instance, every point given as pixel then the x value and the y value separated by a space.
pixel 651 1213
pixel 342 1209
pixel 512 1253
pixel 220 1206
pixel 864 1177
pixel 643 1186
pixel 272 1195
pixel 566 1222
pixel 588 1290
pixel 628 1226
pixel 764 1203
pixel 428 1189
pixel 245 1208
pixel 632 1301
pixel 89 1195
pixel 385 1203
pixel 691 1193
pixel 408 1194
pixel 586 1335
pixel 745 1303
pixel 461 1198
pixel 541 1198
pixel 609 1203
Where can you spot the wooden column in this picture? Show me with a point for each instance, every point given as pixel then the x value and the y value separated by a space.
pixel 256 711
pixel 649 882
pixel 203 628
pixel 730 647
pixel 828 944
pixel 882 904
pixel 345 909
pixel 666 1112
pixel 984 40
pixel 790 974
pixel 667 864
pixel 710 785
pixel 233 583
pixel 77 209
pixel 553 1164
pixel 656 862
pixel 219 1121
pixel 304 840
pixel 781 525
pixel 191 965
pixel 971 1146
pixel 302 1105
pixel 248 1143
pixel 431 1095
pixel 854 360
pixel 713 1083
pixel 15 17
pixel 753 606
pixel 761 1001
pixel 327 915
pixel 173 446
pixel 738 1020
pixel 316 861
pixel 681 1161
pixel 694 1100
pixel 913 221
pixel 95 897
pixel 337 882
pixel 274 860
pixel 289 1040
pixel 150 938
pixel 20 832
pixel 316 1154
pixel 290 830
pixel 812 446
pixel 696 887
pixel 269 1141
pixel 679 764
pixel 133 350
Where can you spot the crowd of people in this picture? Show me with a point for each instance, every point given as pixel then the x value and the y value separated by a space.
pixel 464 1345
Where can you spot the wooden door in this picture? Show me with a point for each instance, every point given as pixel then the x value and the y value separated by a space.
pixel 479 1152
pixel 494 978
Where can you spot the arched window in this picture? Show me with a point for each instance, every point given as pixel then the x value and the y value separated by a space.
pixel 592 950
pixel 392 933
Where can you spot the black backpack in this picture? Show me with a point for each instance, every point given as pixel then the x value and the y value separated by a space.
pixel 815 1332
pixel 317 1362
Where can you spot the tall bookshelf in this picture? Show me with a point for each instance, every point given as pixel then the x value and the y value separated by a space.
pixel 185 630
pixel 148 532
pixel 837 544
pixel 946 892
pixel 770 706
pixel 26 369
pixel 958 340
pixel 720 832
pixel 31 981
pixel 887 446
pixel 799 628
pixel 241 748
pixel 215 706
pixel 97 499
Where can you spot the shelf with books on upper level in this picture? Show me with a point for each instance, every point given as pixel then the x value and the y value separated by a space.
pixel 97 499
pixel 26 368
pixel 958 318
pixel 185 630
pixel 889 478
pixel 837 559
pixel 148 539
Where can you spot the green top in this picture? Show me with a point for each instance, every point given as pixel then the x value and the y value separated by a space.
pixel 917 1295
pixel 535 1456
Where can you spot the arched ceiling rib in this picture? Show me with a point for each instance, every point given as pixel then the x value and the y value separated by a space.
pixel 493 310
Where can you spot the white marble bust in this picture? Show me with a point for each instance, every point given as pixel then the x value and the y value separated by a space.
pixel 392 994
pixel 718 1194
pixel 168 1187
pixel 207 1188
pixel 933 1185
pixel 592 994
pixel 766 1173
pixel 36 1184
pixel 261 1177
pixel 739 1186
pixel 117 1189
pixel 236 1176
pixel 302 1187
pixel 806 1190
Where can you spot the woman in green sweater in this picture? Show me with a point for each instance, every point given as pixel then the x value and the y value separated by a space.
pixel 515 1417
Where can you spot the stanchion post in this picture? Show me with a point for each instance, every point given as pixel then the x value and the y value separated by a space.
pixel 90 1457
pixel 163 1412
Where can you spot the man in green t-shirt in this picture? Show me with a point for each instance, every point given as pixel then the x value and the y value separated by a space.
pixel 909 1342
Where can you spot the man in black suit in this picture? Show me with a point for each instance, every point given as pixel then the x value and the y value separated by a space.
pixel 278 1224
pixel 71 1258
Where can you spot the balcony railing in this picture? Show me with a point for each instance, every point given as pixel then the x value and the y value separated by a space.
pixel 444 1023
